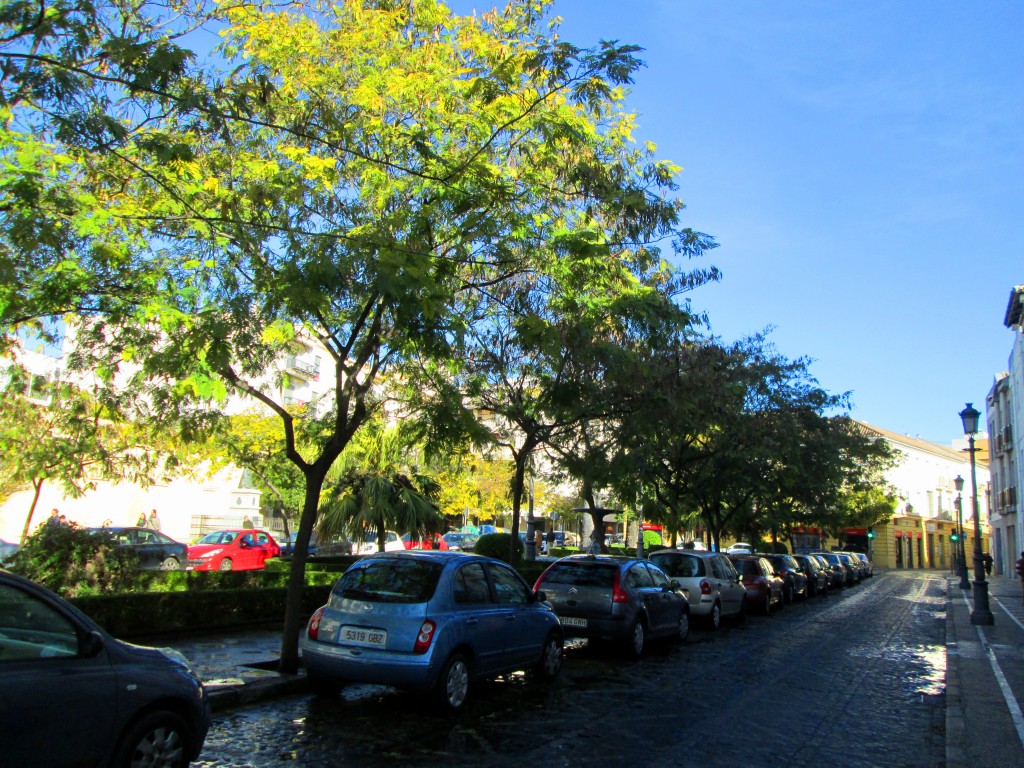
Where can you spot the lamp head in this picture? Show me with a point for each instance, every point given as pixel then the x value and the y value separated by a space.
pixel 969 416
pixel 958 482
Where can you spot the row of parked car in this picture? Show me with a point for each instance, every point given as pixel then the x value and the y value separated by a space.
pixel 435 621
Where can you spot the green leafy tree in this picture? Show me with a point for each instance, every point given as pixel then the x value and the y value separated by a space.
pixel 361 172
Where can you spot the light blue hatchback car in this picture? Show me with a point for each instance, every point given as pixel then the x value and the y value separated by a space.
pixel 430 621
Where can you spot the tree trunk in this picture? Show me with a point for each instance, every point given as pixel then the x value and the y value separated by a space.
pixel 37 486
pixel 293 617
pixel 518 483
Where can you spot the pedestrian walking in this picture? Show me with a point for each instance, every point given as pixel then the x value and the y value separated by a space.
pixel 1020 573
pixel 141 522
pixel 154 521
pixel 988 564
pixel 247 523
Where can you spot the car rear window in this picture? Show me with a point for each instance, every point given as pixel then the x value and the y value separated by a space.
pixel 747 567
pixel 390 581
pixel 679 566
pixel 582 574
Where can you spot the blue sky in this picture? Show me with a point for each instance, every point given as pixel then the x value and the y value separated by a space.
pixel 861 166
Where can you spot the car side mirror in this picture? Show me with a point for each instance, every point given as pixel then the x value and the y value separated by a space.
pixel 673 584
pixel 92 645
pixel 243 544
pixel 540 597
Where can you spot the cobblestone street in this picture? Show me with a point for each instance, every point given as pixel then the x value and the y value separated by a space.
pixel 855 679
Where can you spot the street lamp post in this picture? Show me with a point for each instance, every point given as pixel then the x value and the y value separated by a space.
pixel 981 614
pixel 961 554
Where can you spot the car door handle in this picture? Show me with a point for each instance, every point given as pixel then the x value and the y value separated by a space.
pixel 472 622
pixel 510 617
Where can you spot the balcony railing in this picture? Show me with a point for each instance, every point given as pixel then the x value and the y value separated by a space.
pixel 302 369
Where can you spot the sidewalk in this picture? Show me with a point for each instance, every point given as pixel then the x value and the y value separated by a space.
pixel 985 679
pixel 240 667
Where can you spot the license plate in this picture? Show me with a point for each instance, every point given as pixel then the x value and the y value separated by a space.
pixel 373 638
pixel 571 621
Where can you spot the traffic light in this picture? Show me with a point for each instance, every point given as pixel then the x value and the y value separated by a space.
pixel 954 537
pixel 871 533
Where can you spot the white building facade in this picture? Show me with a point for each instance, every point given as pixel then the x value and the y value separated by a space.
pixel 1005 416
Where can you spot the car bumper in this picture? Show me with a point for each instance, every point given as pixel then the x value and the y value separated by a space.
pixel 599 629
pixel 362 665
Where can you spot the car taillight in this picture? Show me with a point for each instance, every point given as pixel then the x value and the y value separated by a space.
pixel 619 595
pixel 313 630
pixel 540 579
pixel 424 636
pixel 705 587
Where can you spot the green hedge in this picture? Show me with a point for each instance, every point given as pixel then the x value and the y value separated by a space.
pixel 151 613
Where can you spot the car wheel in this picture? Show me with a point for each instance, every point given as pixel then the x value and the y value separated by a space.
pixel 550 663
pixel 226 564
pixel 170 564
pixel 157 739
pixel 325 687
pixel 767 602
pixel 636 639
pixel 453 685
pixel 683 630
pixel 787 593
pixel 715 617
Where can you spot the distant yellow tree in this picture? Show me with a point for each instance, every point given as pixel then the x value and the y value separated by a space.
pixel 477 488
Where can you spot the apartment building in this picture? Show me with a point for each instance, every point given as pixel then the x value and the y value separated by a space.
pixel 1004 408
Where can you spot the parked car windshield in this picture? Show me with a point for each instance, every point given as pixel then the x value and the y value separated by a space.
pixel 391 581
pixel 218 537
pixel 582 574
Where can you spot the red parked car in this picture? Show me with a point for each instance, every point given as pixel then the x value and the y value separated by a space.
pixel 764 586
pixel 430 541
pixel 232 550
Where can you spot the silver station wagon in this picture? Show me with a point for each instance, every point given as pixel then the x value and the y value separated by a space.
pixel 430 621
pixel 709 580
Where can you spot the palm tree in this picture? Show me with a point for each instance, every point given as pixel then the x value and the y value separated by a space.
pixel 375 486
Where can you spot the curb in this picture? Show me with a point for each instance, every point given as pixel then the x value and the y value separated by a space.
pixel 955 734
pixel 231 696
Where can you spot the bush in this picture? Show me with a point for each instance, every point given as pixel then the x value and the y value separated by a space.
pixel 652 540
pixel 71 561
pixel 496 545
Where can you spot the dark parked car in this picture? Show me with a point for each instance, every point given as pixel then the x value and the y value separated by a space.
pixel 835 569
pixel 155 550
pixel 75 696
pixel 867 562
pixel 794 582
pixel 764 586
pixel 842 565
pixel 818 580
pixel 854 564
pixel 606 597
pixel 288 544
pixel 430 620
